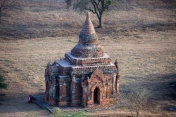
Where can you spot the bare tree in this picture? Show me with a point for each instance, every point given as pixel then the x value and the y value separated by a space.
pixel 136 100
pixel 97 7
pixel 5 4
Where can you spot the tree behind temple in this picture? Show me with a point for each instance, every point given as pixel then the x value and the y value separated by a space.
pixel 97 7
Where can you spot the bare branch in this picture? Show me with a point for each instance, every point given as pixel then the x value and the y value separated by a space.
pixel 91 10
pixel 95 4
pixel 95 8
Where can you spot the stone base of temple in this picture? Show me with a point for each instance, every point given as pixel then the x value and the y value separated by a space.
pixel 63 103
pixel 89 105
pixel 40 101
pixel 52 102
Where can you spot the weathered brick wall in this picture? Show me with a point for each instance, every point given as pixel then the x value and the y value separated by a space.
pixel 85 77
pixel 79 89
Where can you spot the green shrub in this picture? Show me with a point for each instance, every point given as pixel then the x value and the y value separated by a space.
pixel 2 84
pixel 59 113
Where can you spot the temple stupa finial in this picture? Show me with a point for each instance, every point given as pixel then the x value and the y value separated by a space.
pixel 88 27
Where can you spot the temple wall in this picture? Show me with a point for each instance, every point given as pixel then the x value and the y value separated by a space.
pixel 76 91
pixel 64 92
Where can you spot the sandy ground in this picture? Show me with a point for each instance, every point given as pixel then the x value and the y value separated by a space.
pixel 142 40
pixel 148 63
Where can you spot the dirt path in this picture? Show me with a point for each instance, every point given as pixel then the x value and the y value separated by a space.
pixel 18 107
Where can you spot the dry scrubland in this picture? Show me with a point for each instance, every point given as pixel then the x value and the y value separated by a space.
pixel 142 37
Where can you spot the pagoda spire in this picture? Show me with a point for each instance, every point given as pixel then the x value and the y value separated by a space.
pixel 88 27
pixel 88 42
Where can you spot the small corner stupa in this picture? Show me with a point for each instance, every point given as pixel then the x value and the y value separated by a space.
pixel 85 77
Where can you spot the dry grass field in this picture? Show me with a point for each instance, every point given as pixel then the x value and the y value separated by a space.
pixel 141 36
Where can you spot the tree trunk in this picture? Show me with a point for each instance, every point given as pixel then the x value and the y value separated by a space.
pixel 100 22
pixel 0 15
pixel 137 114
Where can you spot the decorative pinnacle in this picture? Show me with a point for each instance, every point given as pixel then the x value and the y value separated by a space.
pixel 88 27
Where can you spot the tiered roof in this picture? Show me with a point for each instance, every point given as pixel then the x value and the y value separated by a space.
pixel 87 54
pixel 88 42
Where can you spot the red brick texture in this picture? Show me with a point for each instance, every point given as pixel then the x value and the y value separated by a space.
pixel 85 77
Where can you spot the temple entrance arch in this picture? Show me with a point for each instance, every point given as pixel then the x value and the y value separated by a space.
pixel 96 95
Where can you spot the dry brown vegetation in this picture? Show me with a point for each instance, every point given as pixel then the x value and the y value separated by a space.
pixel 140 35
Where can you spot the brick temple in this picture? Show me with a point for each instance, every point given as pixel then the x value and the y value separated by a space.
pixel 85 77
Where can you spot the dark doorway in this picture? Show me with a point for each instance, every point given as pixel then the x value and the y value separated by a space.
pixel 97 96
